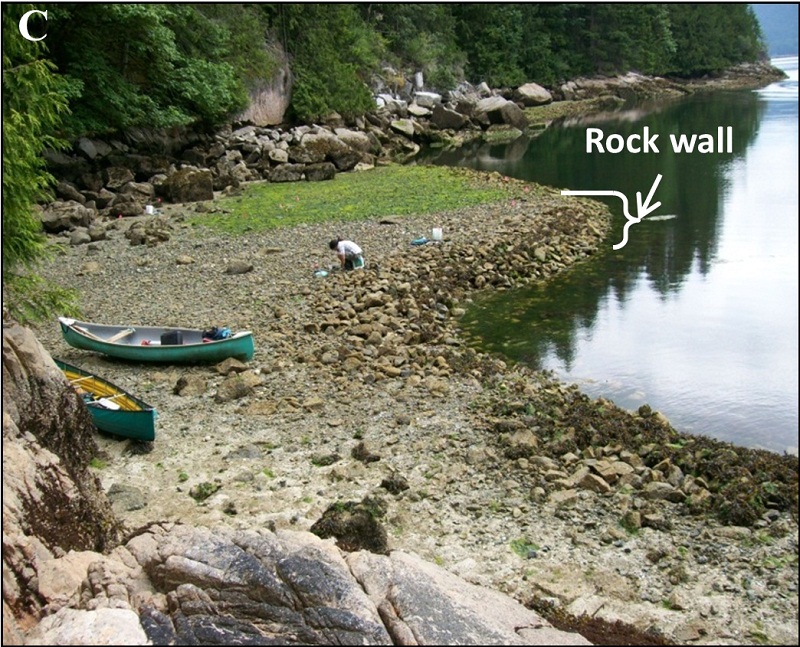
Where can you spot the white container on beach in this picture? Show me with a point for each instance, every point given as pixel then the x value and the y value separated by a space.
pixel 149 209
pixel 436 233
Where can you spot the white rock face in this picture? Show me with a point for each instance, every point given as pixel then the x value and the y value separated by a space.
pixel 100 627
pixel 533 94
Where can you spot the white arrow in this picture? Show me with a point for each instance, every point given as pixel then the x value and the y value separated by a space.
pixel 642 209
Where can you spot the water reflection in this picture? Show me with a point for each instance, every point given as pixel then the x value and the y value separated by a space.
pixel 672 318
pixel 692 187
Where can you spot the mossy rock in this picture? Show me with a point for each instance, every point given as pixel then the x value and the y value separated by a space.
pixel 355 525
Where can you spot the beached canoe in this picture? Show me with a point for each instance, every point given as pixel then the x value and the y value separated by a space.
pixel 161 345
pixel 114 410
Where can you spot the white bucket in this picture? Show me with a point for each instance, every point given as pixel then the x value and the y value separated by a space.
pixel 149 209
pixel 436 233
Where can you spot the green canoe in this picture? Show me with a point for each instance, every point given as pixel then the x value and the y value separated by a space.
pixel 152 344
pixel 114 410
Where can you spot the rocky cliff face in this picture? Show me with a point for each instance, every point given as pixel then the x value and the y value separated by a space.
pixel 51 502
pixel 68 580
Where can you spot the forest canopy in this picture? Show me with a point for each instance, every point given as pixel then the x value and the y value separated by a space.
pixel 175 64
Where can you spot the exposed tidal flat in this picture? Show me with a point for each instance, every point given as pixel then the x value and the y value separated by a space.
pixel 362 386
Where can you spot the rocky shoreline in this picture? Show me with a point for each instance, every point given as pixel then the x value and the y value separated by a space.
pixel 128 174
pixel 361 387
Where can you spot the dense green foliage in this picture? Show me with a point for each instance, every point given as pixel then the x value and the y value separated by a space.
pixel 157 65
pixel 173 64
pixel 419 36
pixel 34 103
pixel 331 50
pixel 698 52
pixel 385 192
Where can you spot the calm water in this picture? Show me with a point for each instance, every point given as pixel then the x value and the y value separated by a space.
pixel 697 315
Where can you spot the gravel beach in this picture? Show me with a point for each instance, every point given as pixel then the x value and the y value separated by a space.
pixel 360 381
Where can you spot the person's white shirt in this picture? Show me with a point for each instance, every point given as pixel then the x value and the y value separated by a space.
pixel 348 248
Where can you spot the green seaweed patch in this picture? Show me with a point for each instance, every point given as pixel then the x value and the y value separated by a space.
pixel 355 525
pixel 204 490
pixel 524 548
pixel 390 191
pixel 740 483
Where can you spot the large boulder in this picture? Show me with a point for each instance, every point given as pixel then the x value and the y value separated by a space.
pixel 405 127
pixel 63 216
pixel 358 140
pixel 101 198
pixel 316 147
pixel 532 94
pixel 202 586
pixel 66 167
pixel 287 173
pixel 115 177
pixel 189 185
pixel 141 192
pixel 514 116
pixel 446 119
pixel 68 191
pixel 320 172
pixel 92 148
pixel 427 99
pixel 497 110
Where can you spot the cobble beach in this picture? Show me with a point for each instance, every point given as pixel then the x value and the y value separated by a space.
pixel 509 479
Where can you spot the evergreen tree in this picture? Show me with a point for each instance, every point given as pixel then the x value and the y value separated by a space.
pixel 156 65
pixel 421 37
pixel 332 53
pixel 34 103
pixel 551 52
pixel 620 37
pixel 492 38
pixel 711 37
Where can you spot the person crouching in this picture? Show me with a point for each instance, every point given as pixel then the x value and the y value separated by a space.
pixel 351 257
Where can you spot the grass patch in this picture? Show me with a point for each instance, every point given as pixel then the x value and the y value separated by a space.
pixel 383 192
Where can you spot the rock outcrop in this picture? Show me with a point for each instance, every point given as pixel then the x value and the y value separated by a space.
pixel 52 503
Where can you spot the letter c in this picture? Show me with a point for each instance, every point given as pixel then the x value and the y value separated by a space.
pixel 23 25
